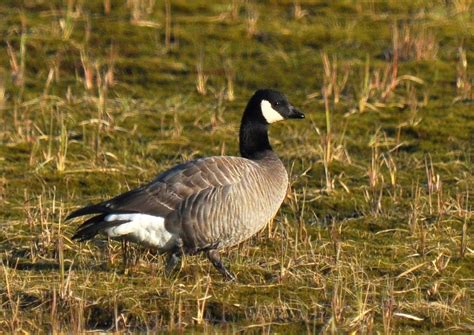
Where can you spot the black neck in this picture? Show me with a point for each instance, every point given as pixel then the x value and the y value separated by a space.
pixel 253 137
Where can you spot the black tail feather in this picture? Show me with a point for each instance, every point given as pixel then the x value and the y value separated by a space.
pixel 97 209
pixel 89 228
pixel 93 226
pixel 92 209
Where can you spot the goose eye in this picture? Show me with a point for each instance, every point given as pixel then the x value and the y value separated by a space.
pixel 278 103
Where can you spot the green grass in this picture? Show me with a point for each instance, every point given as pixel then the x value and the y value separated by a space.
pixel 376 232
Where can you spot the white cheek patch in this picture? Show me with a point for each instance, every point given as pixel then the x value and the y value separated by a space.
pixel 141 228
pixel 269 113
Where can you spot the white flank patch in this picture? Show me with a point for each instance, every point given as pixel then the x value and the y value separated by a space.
pixel 141 228
pixel 269 113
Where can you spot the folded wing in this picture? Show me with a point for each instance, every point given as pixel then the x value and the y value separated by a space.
pixel 165 193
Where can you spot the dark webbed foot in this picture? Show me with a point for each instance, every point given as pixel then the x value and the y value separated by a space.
pixel 214 257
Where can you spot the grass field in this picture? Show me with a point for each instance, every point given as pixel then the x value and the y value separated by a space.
pixel 376 234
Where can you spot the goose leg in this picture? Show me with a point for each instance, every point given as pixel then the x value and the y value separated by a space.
pixel 125 253
pixel 213 256
pixel 174 259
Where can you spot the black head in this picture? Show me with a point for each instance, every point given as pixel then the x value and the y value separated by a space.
pixel 264 107
pixel 269 106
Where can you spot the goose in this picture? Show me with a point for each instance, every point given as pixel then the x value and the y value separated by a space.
pixel 207 204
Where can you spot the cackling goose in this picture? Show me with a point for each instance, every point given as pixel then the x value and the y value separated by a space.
pixel 206 204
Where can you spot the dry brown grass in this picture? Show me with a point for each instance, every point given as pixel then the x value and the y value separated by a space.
pixel 375 235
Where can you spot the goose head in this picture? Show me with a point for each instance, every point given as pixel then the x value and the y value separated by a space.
pixel 268 106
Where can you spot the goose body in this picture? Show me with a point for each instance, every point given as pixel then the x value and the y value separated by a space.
pixel 205 204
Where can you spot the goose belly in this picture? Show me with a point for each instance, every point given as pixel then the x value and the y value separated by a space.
pixel 245 226
pixel 148 230
pixel 246 216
